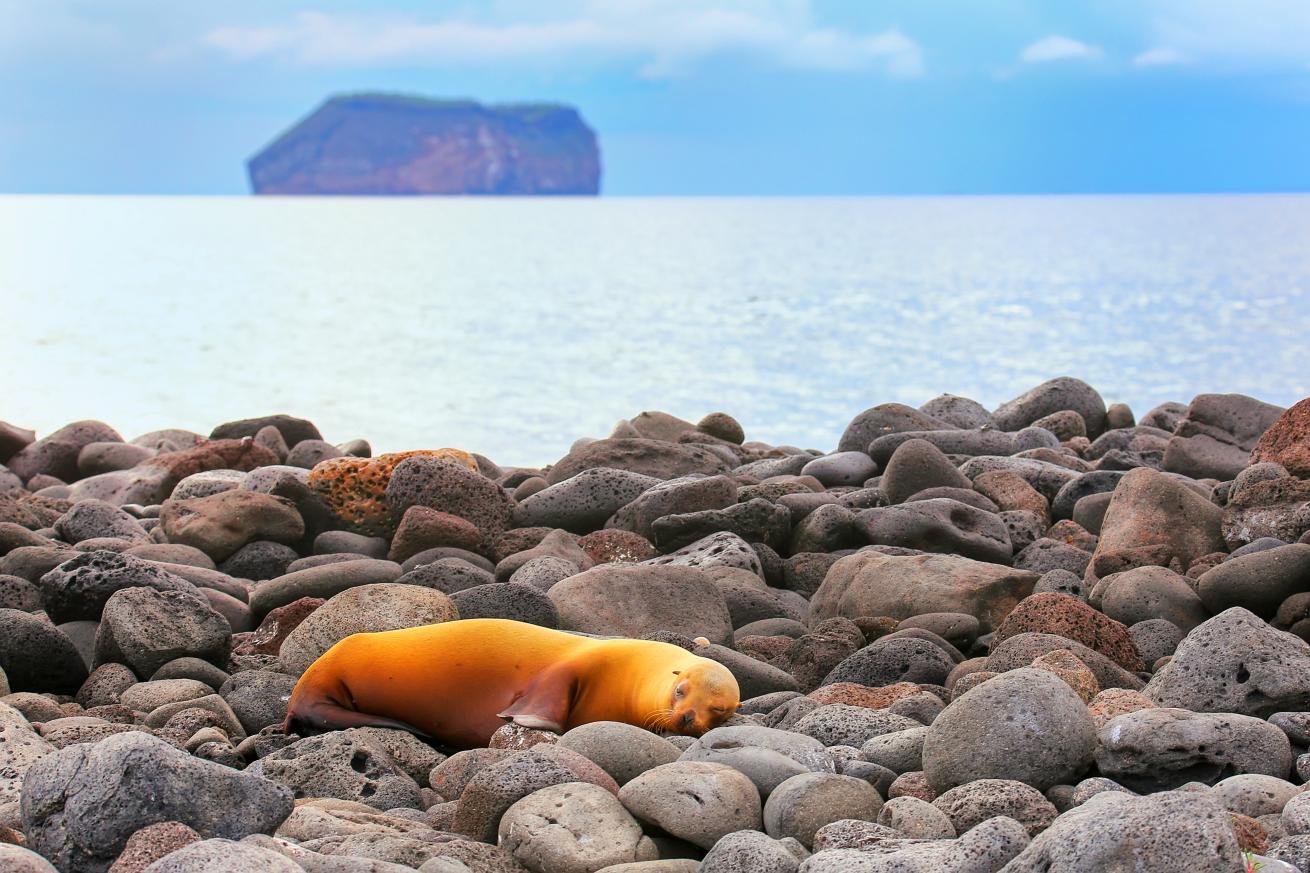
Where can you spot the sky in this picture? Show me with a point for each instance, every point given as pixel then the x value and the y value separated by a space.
pixel 689 97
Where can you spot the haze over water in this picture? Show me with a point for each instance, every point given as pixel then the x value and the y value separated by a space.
pixel 512 326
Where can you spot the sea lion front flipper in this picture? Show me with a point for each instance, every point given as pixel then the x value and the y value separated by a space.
pixel 545 703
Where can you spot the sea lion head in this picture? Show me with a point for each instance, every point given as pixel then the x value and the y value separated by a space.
pixel 703 696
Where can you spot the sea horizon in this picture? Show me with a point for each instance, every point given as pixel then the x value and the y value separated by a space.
pixel 792 313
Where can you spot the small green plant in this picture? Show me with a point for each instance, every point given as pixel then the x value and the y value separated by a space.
pixel 1252 865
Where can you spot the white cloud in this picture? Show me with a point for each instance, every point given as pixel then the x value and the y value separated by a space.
pixel 1058 48
pixel 1162 56
pixel 662 38
pixel 1252 33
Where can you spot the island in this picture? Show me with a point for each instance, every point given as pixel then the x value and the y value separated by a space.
pixel 390 144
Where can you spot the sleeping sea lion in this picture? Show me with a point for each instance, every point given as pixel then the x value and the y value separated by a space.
pixel 459 681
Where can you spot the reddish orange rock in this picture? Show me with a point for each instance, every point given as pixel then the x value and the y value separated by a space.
pixel 151 843
pixel 1073 534
pixel 267 638
pixel 1066 665
pixel 423 528
pixel 243 454
pixel 355 488
pixel 1251 835
pixel 853 694
pixel 912 784
pixel 1116 701
pixel 765 649
pixel 1069 617
pixel 1287 441
pixel 617 546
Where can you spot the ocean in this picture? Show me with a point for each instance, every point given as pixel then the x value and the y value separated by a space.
pixel 513 326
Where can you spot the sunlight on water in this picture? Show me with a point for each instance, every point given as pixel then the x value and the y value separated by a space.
pixel 513 326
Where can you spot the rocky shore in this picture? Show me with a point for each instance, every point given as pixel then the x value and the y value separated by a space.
pixel 1048 638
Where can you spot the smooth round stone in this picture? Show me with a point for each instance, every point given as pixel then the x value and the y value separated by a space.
pixel 323 581
pixel 333 542
pixel 149 696
pixel 207 483
pixel 621 750
pixel 841 468
pixel 1254 794
pixel 16 859
pixel 572 828
pixel 916 819
pixel 307 454
pixel 800 806
pixel 767 756
pixel 697 801
pixel 900 752
pixel 523 603
pixel 751 852
pixel 1025 725
pixel 448 575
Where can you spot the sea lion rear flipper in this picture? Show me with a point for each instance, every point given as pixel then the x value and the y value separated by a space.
pixel 324 715
pixel 546 702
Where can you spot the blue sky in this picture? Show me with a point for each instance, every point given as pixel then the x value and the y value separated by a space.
pixel 689 96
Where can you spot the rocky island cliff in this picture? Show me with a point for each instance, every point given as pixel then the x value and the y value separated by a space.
pixel 385 144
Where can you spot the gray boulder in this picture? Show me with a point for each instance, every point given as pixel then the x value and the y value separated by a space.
pixel 576 827
pixel 1235 663
pixel 1176 830
pixel 1026 725
pixel 637 600
pixel 78 589
pixel 1163 748
pixel 81 803
pixel 145 629
pixel 363 609
pixel 346 765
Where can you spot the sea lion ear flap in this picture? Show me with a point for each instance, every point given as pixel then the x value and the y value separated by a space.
pixel 545 703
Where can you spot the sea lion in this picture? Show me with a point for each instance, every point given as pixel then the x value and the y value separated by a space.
pixel 459 681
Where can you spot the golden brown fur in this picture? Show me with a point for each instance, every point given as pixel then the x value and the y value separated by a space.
pixel 459 681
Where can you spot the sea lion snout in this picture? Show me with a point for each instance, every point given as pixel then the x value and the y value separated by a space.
pixel 703 697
